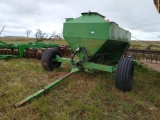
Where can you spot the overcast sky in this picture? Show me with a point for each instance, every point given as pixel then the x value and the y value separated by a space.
pixel 138 16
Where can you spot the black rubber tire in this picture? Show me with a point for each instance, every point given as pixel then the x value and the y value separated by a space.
pixel 47 59
pixel 124 74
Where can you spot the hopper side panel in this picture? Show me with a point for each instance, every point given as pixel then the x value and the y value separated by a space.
pixel 119 34
pixel 86 30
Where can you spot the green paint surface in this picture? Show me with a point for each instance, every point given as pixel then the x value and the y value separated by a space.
pixel 97 35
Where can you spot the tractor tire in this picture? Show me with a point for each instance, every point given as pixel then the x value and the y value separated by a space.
pixel 124 74
pixel 47 59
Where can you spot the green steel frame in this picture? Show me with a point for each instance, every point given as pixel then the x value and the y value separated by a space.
pixel 86 66
pixel 21 48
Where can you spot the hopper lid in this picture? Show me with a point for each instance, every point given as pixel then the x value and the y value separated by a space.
pixel 90 13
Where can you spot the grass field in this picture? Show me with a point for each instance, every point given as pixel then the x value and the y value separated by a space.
pixel 83 96
pixel 143 44
pixel 26 40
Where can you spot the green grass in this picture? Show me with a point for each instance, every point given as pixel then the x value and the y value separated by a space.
pixel 82 96
pixel 143 45
pixel 28 40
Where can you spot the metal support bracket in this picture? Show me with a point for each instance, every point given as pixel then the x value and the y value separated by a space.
pixel 8 56
pixel 88 65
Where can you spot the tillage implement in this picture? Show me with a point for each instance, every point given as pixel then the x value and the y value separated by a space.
pixel 30 50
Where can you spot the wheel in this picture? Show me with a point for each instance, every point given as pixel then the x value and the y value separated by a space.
pixel 124 74
pixel 47 59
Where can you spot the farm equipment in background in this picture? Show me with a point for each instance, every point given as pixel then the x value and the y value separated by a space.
pixel 150 52
pixel 147 54
pixel 33 49
pixel 30 50
pixel 99 45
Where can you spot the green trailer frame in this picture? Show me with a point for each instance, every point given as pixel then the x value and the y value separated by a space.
pixel 86 66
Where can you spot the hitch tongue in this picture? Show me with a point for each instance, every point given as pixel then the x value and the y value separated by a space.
pixel 45 89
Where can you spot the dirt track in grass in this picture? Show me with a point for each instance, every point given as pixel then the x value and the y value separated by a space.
pixel 154 66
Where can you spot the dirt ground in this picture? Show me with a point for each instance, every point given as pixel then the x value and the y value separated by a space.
pixel 155 66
